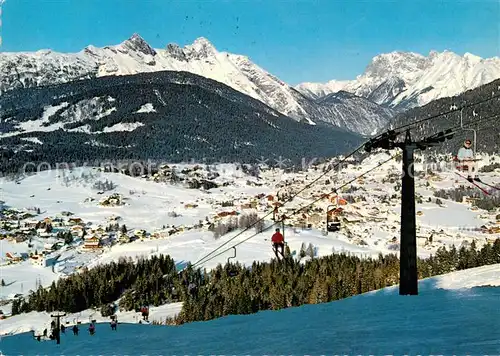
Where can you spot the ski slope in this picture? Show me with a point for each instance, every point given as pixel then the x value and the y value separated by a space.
pixel 455 313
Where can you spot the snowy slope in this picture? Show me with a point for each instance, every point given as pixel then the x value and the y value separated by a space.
pixel 380 322
pixel 404 79
pixel 135 55
pixel 37 321
pixel 166 115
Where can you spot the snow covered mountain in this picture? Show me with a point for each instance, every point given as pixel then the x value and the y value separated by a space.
pixel 319 90
pixel 135 55
pixel 403 80
pixel 481 117
pixel 161 115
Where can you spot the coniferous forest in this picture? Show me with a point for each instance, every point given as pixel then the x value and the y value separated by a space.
pixel 235 289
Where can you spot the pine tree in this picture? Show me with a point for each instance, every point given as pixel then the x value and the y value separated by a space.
pixel 16 306
pixel 310 250
pixel 473 255
pixel 68 238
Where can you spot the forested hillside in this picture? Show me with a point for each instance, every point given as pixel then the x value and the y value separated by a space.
pixel 235 289
pixel 171 116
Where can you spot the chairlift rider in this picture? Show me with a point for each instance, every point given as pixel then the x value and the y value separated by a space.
pixel 466 158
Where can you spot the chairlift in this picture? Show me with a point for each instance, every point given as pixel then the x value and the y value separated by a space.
pixel 234 248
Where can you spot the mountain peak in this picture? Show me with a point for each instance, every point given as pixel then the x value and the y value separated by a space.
pixel 138 44
pixel 433 53
pixel 200 48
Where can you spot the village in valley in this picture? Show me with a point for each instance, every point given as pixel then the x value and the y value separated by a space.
pixel 71 220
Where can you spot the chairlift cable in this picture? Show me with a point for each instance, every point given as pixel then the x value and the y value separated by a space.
pixel 335 166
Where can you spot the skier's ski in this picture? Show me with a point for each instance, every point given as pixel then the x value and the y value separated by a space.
pixel 490 185
pixel 474 183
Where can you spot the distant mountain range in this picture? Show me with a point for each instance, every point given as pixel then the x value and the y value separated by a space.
pixel 133 101
pixel 403 80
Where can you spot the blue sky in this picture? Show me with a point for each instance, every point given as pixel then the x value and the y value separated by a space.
pixel 296 40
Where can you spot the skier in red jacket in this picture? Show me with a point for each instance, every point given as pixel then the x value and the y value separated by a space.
pixel 278 241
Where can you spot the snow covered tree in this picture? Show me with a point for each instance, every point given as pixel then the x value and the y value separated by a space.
pixel 243 222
